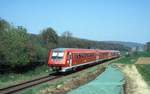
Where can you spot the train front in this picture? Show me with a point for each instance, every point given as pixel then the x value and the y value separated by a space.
pixel 56 59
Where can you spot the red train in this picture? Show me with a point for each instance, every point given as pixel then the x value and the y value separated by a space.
pixel 63 59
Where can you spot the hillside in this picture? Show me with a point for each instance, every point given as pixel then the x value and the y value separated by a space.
pixel 128 44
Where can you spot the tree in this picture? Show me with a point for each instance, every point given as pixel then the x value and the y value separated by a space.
pixel 49 37
pixel 16 47
pixel 13 44
pixel 66 40
pixel 67 34
pixel 4 25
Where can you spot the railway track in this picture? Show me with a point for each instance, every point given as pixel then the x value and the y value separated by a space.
pixel 16 88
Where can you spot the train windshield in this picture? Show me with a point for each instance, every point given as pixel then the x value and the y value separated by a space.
pixel 57 55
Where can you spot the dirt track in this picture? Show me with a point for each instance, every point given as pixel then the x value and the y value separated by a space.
pixel 143 60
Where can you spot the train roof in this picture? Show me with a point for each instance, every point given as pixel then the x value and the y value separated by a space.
pixel 60 49
pixel 107 50
pixel 63 49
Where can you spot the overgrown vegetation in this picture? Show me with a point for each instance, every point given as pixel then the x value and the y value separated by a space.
pixel 144 70
pixel 20 49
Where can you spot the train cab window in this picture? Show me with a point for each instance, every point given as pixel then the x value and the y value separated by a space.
pixel 57 55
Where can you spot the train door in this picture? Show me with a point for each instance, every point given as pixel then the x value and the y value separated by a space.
pixel 70 59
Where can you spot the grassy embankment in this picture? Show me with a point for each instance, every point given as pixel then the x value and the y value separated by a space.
pixel 144 69
pixel 13 78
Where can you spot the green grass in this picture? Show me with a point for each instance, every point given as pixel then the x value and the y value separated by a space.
pixel 12 78
pixel 144 71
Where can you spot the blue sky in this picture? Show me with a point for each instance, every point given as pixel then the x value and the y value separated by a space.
pixel 118 20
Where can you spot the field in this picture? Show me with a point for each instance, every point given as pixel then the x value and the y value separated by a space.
pixel 143 66
pixel 140 59
pixel 137 70
pixel 143 60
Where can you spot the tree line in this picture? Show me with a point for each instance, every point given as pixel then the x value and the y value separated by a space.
pixel 20 48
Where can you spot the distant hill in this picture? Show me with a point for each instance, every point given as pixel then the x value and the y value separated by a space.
pixel 128 44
